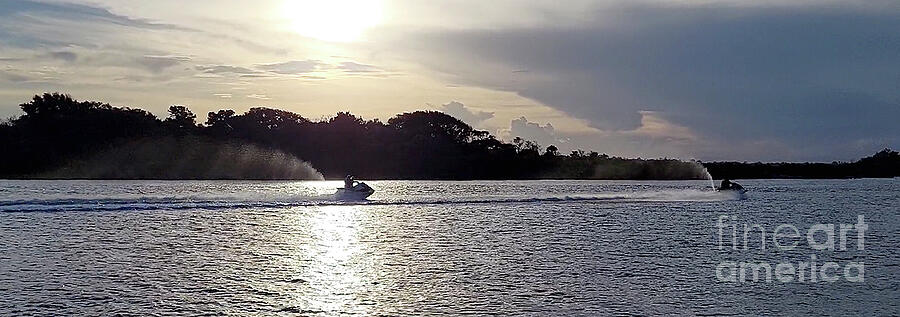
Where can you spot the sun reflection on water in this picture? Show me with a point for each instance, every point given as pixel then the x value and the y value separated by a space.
pixel 336 263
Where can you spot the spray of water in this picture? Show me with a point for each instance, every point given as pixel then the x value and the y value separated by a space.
pixel 187 158
pixel 702 172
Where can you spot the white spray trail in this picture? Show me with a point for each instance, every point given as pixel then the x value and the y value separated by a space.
pixel 701 171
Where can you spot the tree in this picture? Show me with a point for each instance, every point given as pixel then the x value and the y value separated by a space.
pixel 273 119
pixel 551 151
pixel 525 146
pixel 181 118
pixel 56 129
pixel 219 118
pixel 219 123
pixel 433 125
pixel 48 104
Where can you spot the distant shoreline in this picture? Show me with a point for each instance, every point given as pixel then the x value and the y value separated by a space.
pixel 59 137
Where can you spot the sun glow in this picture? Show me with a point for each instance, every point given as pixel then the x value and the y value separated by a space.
pixel 333 20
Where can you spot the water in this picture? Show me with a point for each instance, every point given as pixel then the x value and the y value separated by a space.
pixel 533 248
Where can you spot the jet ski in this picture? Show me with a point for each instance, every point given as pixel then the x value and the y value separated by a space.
pixel 731 187
pixel 358 192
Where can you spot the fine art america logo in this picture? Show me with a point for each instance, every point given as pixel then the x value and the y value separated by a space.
pixel 786 237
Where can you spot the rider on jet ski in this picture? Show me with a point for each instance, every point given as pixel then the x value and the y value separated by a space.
pixel 729 185
pixel 349 182
pixel 353 190
pixel 726 184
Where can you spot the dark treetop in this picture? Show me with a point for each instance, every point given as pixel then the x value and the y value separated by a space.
pixel 59 137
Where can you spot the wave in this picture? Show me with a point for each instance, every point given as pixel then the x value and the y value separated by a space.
pixel 218 203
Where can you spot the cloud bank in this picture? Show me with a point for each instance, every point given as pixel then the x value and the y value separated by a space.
pixel 809 80
pixel 461 112
pixel 720 79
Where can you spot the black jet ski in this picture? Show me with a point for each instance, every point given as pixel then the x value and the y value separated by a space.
pixel 728 186
pixel 358 192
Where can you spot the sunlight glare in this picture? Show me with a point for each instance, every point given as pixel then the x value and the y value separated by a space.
pixel 333 20
pixel 338 267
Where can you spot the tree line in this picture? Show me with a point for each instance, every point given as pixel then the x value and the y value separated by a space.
pixel 55 130
pixel 885 163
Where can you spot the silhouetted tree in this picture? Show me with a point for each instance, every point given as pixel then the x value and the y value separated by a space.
pixel 181 119
pixel 526 146
pixel 551 151
pixel 218 123
pixel 55 129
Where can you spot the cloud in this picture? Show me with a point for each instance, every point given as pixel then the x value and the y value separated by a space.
pixel 71 11
pixel 292 67
pixel 353 67
pixel 159 63
pixel 16 78
pixel 655 137
pixel 100 46
pixel 461 112
pixel 225 69
pixel 64 55
pixel 818 78
pixel 714 79
pixel 258 96
pixel 544 135
pixel 656 127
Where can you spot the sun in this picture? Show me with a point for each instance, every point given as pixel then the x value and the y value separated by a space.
pixel 333 20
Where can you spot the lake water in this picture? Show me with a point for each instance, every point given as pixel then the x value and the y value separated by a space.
pixel 525 247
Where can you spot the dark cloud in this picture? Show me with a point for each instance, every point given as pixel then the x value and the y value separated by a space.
pixel 461 112
pixel 292 67
pixel 816 77
pixel 256 75
pixel 63 55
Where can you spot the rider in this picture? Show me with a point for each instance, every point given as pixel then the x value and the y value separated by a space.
pixel 726 184
pixel 349 181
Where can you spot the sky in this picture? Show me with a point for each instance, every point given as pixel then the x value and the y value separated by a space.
pixel 764 80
